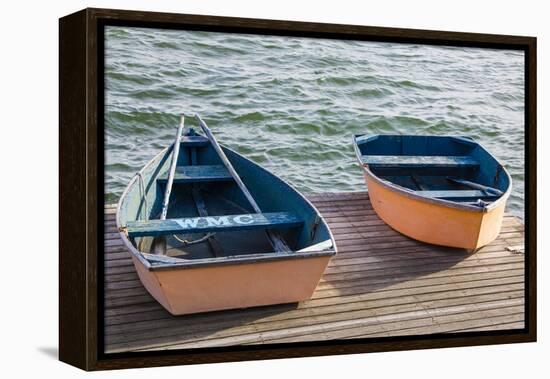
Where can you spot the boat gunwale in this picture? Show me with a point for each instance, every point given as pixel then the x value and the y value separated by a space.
pixel 222 261
pixel 441 202
pixel 237 259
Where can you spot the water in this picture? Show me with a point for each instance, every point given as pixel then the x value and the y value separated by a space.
pixel 292 104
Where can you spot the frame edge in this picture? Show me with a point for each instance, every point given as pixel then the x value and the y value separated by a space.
pixel 72 192
pixel 78 138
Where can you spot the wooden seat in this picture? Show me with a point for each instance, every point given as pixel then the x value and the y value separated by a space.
pixel 419 161
pixel 194 174
pixel 224 223
pixel 456 194
pixel 194 141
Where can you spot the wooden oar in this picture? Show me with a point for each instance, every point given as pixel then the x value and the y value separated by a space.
pixel 159 243
pixel 489 190
pixel 276 240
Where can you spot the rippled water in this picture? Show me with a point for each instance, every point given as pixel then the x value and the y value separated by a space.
pixel 292 104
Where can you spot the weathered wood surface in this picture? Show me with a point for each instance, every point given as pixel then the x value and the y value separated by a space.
pixel 194 141
pixel 213 224
pixel 381 283
pixel 196 174
pixel 411 161
pixel 455 194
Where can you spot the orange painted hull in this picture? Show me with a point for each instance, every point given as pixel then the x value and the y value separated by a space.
pixel 202 289
pixel 434 223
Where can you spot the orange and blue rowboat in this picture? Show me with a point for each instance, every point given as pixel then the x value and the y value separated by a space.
pixel 443 190
pixel 233 235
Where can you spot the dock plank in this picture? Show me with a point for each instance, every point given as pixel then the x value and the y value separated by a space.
pixel 380 283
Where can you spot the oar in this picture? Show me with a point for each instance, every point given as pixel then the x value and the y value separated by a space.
pixel 276 241
pixel 489 190
pixel 159 242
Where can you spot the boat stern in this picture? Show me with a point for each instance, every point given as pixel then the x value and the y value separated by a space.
pixel 187 290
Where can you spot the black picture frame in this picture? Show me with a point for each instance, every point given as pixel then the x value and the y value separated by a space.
pixel 81 43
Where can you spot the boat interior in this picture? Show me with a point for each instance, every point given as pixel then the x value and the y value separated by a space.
pixel 455 169
pixel 204 191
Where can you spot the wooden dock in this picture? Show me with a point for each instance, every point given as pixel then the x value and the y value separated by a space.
pixel 380 283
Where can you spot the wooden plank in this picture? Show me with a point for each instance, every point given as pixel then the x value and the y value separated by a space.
pixel 135 326
pixel 402 242
pixel 305 334
pixel 110 211
pixel 215 321
pixel 152 316
pixel 357 212
pixel 418 161
pixel 194 141
pixel 444 269
pixel 427 325
pixel 416 250
pixel 354 324
pixel 381 240
pixel 343 206
pixel 112 235
pixel 452 324
pixel 456 194
pixel 213 224
pixel 389 298
pixel 114 255
pixel 111 278
pixel 501 325
pixel 197 174
pixel 402 267
pixel 424 282
pixel 216 327
pixel 138 325
pixel 374 235
pixel 123 302
pixel 115 249
pixel 422 257
pixel 113 243
pixel 338 196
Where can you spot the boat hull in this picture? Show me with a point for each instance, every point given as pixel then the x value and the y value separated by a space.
pixel 238 267
pixel 432 222
pixel 192 290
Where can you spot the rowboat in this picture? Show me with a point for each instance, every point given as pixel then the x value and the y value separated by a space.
pixel 208 229
pixel 442 190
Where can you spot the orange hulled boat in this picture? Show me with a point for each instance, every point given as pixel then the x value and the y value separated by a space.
pixel 443 190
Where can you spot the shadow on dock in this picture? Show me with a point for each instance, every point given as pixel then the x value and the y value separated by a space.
pixel 386 269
